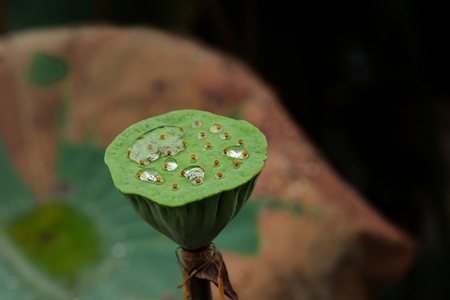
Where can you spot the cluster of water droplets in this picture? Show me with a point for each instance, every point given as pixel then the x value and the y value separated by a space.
pixel 167 141
pixel 160 141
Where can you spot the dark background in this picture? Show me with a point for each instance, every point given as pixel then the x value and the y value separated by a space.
pixel 367 80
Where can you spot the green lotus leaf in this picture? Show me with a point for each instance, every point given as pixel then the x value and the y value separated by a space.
pixel 188 172
pixel 46 69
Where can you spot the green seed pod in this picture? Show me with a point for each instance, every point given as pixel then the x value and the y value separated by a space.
pixel 187 173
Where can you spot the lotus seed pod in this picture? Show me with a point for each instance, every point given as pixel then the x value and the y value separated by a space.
pixel 184 174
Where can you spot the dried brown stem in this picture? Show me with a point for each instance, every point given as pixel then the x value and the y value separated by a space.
pixel 202 267
pixel 199 289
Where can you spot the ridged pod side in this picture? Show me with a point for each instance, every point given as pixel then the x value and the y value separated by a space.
pixel 197 224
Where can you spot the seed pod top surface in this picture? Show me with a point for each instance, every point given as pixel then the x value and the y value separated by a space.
pixel 185 156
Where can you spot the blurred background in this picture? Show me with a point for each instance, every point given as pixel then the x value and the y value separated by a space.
pixel 368 82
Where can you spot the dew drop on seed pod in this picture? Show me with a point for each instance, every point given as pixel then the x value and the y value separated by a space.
pixel 196 124
pixel 197 181
pixel 165 132
pixel 216 128
pixel 151 176
pixel 140 155
pixel 225 136
pixel 207 146
pixel 235 152
pixel 236 164
pixel 195 174
pixel 157 142
pixel 218 176
pixel 169 150
pixel 181 130
pixel 170 164
pixel 201 135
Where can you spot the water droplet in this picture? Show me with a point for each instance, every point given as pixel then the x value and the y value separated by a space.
pixel 236 164
pixel 195 174
pixel 235 152
pixel 216 128
pixel 225 136
pixel 170 164
pixel 196 124
pixel 160 141
pixel 218 176
pixel 207 146
pixel 141 157
pixel 150 175
pixel 201 135
pixel 240 142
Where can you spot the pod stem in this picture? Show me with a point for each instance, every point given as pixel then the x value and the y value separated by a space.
pixel 200 268
pixel 199 289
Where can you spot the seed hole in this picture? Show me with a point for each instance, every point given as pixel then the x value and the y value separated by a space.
pixel 216 128
pixel 201 135
pixel 218 176
pixel 207 146
pixel 194 158
pixel 236 164
pixel 196 124
pixel 225 136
